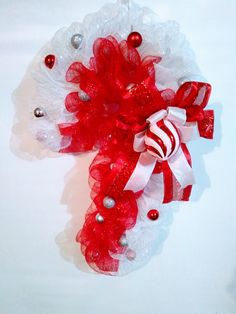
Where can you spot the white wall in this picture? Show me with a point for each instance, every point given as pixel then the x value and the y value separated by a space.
pixel 196 270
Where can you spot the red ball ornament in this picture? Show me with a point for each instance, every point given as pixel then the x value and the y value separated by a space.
pixel 49 61
pixel 135 39
pixel 153 214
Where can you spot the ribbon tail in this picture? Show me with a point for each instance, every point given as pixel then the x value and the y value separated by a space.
pixel 168 182
pixel 181 169
pixel 142 173
pixel 188 190
pixel 155 188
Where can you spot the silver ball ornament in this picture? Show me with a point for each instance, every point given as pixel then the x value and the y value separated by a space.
pixel 130 86
pixel 99 218
pixel 83 96
pixel 130 255
pixel 39 112
pixel 41 136
pixel 76 40
pixel 108 202
pixel 123 241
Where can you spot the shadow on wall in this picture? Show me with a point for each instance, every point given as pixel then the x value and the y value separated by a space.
pixel 76 192
pixel 202 147
pixel 76 198
pixel 232 287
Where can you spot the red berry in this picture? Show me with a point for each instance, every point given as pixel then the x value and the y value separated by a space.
pixel 49 61
pixel 153 214
pixel 135 39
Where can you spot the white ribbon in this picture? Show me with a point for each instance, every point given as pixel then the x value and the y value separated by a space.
pixel 139 145
pixel 176 115
pixel 177 163
pixel 181 169
pixel 157 116
pixel 142 172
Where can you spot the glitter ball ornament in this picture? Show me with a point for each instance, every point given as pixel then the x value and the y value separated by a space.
pixel 49 61
pixel 135 39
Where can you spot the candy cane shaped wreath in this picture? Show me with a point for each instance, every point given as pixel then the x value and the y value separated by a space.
pixel 117 94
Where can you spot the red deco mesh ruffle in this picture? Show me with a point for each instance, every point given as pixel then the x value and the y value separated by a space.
pixel 122 95
pixel 109 173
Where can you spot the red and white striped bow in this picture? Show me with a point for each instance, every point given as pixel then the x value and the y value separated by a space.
pixel 162 142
